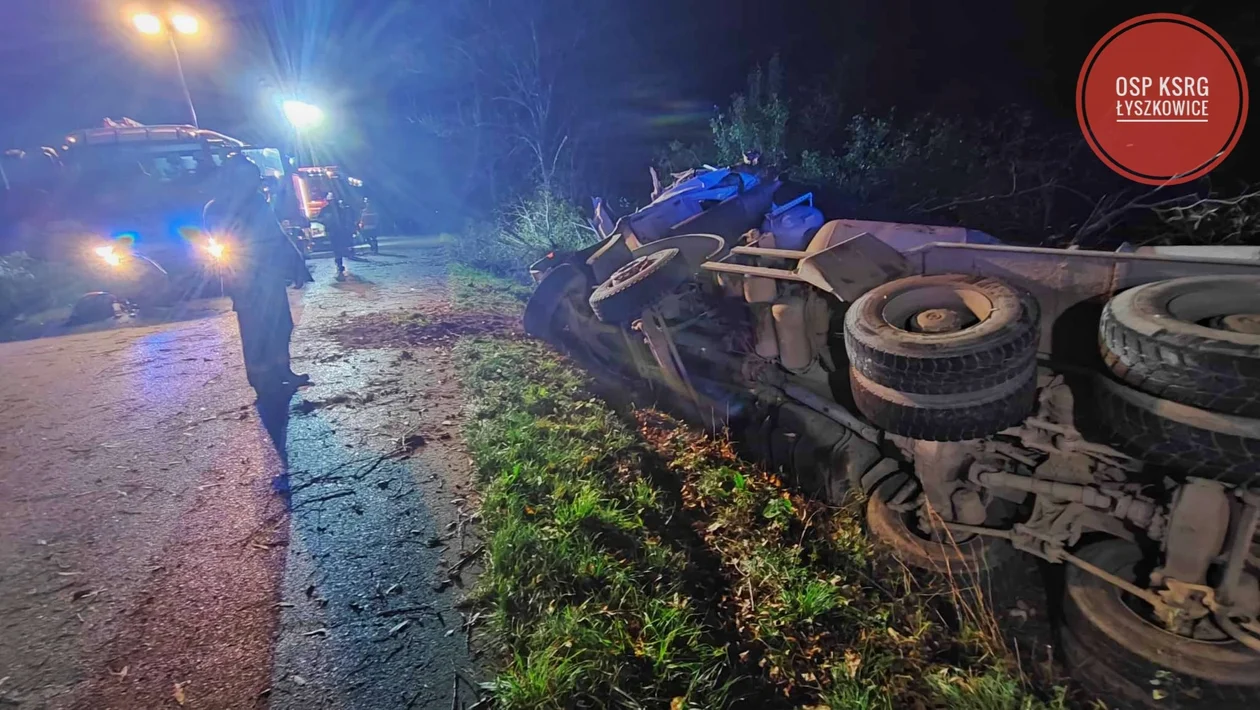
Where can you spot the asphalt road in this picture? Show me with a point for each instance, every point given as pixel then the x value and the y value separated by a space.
pixel 156 551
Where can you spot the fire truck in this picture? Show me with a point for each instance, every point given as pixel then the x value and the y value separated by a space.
pixel 313 185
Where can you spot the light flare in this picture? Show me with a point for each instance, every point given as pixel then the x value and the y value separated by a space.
pixel 109 255
pixel 216 249
pixel 147 23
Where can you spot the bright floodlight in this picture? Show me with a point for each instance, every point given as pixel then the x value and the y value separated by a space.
pixel 146 23
pixel 302 115
pixel 185 24
pixel 110 256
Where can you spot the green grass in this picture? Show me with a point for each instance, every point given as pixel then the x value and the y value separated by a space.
pixel 481 291
pixel 648 567
pixel 586 600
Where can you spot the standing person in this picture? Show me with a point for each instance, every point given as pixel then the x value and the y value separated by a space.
pixel 339 221
pixel 369 226
pixel 264 262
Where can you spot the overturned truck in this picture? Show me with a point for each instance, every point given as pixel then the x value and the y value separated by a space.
pixel 1097 409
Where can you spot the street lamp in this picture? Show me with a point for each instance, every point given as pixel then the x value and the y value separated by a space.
pixel 180 23
pixel 185 24
pixel 301 115
pixel 147 24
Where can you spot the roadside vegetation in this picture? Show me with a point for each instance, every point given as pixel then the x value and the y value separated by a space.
pixel 29 286
pixel 1009 173
pixel 521 233
pixel 633 562
pixel 473 289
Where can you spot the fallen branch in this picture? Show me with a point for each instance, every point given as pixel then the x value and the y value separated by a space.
pixel 466 559
pixel 363 473
pixel 321 499
pixel 314 481
pixel 405 610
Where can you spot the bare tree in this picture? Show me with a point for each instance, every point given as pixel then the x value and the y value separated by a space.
pixel 528 88
pixel 510 80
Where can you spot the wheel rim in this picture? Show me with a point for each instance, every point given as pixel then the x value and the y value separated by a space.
pixel 939 320
pixel 1246 323
pixel 937 309
pixel 916 522
pixel 1141 610
pixel 1235 309
pixel 638 266
pixel 694 249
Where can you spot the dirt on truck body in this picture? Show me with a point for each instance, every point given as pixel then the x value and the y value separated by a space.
pixel 1095 409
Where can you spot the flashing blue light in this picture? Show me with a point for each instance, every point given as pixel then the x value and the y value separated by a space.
pixel 186 226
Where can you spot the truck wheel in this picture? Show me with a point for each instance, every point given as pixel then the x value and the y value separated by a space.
pixel 1193 340
pixel 1193 441
pixel 545 312
pixel 947 417
pixel 944 334
pixel 638 285
pixel 610 257
pixel 899 534
pixel 1112 648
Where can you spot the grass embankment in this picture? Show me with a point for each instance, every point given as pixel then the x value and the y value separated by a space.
pixel 480 291
pixel 647 566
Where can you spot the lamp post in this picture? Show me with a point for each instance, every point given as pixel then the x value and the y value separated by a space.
pixel 176 24
pixel 303 118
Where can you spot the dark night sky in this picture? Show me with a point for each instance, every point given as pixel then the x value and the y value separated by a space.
pixel 65 64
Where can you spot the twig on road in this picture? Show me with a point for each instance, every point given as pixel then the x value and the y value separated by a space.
pixel 404 610
pixel 314 481
pixel 468 629
pixel 362 473
pixel 321 499
pixel 465 560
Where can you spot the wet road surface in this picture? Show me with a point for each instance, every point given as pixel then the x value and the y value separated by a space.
pixel 146 559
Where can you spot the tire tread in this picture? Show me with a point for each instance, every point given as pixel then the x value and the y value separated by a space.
pixel 1197 371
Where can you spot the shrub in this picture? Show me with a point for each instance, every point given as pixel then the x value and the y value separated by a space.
pixel 29 285
pixel 756 120
pixel 677 157
pixel 819 168
pixel 16 283
pixel 524 232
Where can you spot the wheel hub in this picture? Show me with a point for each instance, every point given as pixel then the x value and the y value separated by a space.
pixel 1248 323
pixel 630 270
pixel 941 320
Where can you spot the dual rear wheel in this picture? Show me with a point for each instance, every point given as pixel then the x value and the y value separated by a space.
pixel 950 358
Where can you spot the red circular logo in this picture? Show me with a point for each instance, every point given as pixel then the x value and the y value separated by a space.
pixel 1162 99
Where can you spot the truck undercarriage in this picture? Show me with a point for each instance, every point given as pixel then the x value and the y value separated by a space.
pixel 1095 409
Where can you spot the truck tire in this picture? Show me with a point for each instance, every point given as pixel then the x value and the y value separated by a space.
pixel 892 532
pixel 638 285
pixel 545 310
pixel 610 257
pixel 1193 441
pixel 947 417
pixel 1123 657
pixel 1193 340
pixel 945 334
